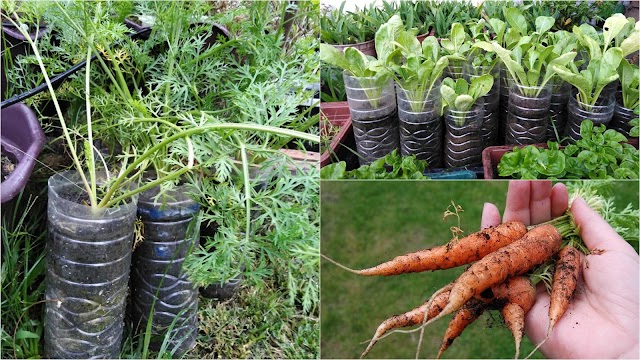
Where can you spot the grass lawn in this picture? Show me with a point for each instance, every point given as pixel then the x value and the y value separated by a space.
pixel 364 223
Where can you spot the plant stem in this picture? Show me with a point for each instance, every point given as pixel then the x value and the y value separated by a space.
pixel 90 163
pixel 197 130
pixel 65 130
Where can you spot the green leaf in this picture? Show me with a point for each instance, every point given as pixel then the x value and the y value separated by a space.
pixel 448 95
pixel 333 56
pixel 578 80
pixel 480 86
pixel 517 20
pixel 544 23
pixel 463 102
pixel 516 70
pixel 24 334
pixel 387 35
pixel 334 171
pixel 462 87
pixel 498 27
pixel 631 44
pixel 457 36
pixel 358 62
pixel 612 27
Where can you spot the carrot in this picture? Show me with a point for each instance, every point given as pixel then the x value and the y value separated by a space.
pixel 565 278
pixel 458 252
pixel 414 317
pixel 518 290
pixel 534 248
pixel 513 315
pixel 471 310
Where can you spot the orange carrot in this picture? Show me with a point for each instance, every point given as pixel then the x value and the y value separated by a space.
pixel 471 310
pixel 518 290
pixel 458 252
pixel 565 279
pixel 534 248
pixel 414 317
pixel 513 315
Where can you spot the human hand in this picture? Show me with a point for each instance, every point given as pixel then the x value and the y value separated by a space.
pixel 602 318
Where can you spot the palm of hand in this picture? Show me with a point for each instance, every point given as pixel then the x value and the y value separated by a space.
pixel 602 316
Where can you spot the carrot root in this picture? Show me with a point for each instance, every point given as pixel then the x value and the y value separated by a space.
pixel 471 311
pixel 456 253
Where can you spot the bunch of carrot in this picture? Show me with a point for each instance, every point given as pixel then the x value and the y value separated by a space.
pixel 500 256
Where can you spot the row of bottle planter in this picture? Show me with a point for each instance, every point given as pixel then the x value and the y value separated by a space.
pixel 91 268
pixel 385 118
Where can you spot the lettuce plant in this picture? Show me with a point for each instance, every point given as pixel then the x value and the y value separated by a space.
pixel 417 67
pixel 460 95
pixel 604 58
pixel 630 79
pixel 371 72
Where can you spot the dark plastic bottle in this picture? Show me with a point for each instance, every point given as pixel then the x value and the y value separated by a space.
pixel 88 262
pixel 159 285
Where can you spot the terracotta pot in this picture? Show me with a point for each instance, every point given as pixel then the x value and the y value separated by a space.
pixel 367 47
pixel 337 114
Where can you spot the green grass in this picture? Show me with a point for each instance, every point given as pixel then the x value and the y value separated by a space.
pixel 364 223
pixel 23 239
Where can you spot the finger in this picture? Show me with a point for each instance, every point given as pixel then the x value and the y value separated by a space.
pixel 517 207
pixel 595 231
pixel 540 201
pixel 559 200
pixel 490 216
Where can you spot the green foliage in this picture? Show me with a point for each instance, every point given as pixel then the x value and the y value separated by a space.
pixel 600 154
pixel 604 57
pixel 23 268
pixel 630 80
pixel 342 28
pixel 392 166
pixel 459 95
pixel 416 67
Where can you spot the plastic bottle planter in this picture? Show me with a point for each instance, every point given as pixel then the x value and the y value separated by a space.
pixel 463 139
pixel 528 114
pixel 503 109
pixel 489 129
pixel 373 114
pixel 560 92
pixel 420 124
pixel 600 113
pixel 455 69
pixel 621 118
pixel 88 263
pixel 159 285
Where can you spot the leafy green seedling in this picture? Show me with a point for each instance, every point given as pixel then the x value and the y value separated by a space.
pixel 461 96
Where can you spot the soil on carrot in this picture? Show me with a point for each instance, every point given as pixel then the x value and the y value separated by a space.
pixel 8 167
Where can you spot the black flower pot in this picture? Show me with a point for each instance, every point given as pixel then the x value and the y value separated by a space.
pixel 88 263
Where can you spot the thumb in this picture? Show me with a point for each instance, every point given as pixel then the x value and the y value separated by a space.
pixel 595 231
pixel 490 216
